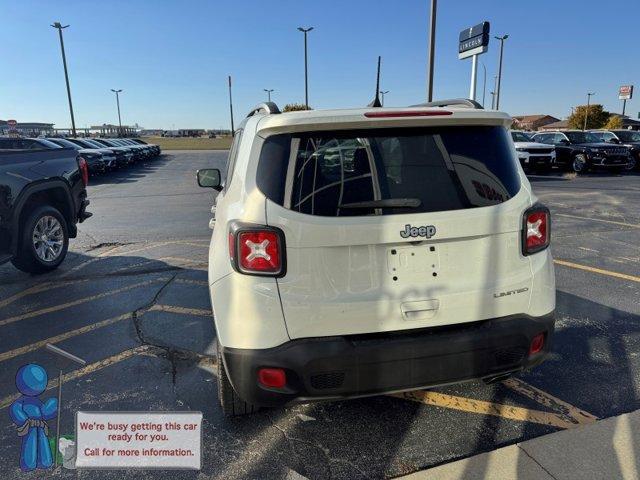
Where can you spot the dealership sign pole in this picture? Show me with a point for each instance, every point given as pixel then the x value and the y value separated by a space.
pixel 473 41
pixel 625 93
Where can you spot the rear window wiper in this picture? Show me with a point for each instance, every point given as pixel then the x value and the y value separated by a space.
pixel 388 203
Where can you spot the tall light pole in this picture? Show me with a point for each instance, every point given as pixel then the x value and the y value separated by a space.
pixel 59 26
pixel 432 49
pixel 502 39
pixel 484 84
pixel 117 92
pixel 268 90
pixel 493 94
pixel 586 115
pixel 383 93
pixel 306 74
pixel 233 131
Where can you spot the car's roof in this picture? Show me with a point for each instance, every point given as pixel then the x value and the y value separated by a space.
pixel 353 118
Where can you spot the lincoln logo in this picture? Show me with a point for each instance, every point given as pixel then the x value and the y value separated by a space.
pixel 409 231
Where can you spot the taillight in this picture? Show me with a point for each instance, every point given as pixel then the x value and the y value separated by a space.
pixel 537 343
pixel 536 229
pixel 257 250
pixel 84 170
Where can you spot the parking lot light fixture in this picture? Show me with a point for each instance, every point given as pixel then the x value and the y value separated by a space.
pixel 586 115
pixel 117 92
pixel 382 94
pixel 502 39
pixel 306 70
pixel 268 90
pixel 59 26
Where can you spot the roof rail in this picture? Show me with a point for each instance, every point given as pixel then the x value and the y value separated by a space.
pixel 266 107
pixel 453 101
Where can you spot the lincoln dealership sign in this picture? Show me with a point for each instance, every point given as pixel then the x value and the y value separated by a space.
pixel 626 92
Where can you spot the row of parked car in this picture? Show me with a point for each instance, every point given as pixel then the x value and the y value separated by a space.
pixel 578 151
pixel 101 154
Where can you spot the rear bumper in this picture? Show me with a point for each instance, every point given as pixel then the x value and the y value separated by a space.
pixel 331 368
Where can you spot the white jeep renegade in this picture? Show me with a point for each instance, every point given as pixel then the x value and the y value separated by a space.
pixel 367 251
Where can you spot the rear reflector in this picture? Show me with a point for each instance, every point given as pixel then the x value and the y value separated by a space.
pixel 272 377
pixel 536 229
pixel 408 113
pixel 84 170
pixel 537 343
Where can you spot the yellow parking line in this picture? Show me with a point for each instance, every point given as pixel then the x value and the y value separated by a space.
pixel 63 336
pixel 560 406
pixel 91 368
pixel 487 408
pixel 181 310
pixel 56 308
pixel 586 268
pixel 613 222
pixel 43 287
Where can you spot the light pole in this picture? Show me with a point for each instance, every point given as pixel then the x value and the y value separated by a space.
pixel 383 93
pixel 233 132
pixel 493 94
pixel 268 90
pixel 432 49
pixel 306 77
pixel 59 26
pixel 586 115
pixel 484 84
pixel 502 39
pixel 117 92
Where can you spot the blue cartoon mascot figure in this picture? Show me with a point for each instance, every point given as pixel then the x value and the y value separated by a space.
pixel 30 415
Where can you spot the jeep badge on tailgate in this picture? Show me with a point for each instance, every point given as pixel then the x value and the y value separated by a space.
pixel 409 231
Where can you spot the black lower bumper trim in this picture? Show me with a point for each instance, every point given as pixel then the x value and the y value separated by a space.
pixel 361 365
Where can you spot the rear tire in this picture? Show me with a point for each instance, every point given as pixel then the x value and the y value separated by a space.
pixel 43 242
pixel 232 405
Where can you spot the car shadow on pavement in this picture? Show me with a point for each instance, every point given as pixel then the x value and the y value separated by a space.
pixel 594 366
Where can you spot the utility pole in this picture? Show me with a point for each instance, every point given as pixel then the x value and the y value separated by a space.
pixel 484 84
pixel 586 116
pixel 233 131
pixel 306 72
pixel 493 94
pixel 268 90
pixel 432 49
pixel 502 39
pixel 117 92
pixel 59 26
pixel 383 93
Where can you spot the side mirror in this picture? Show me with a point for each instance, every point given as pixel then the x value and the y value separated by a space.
pixel 210 178
pixel 564 141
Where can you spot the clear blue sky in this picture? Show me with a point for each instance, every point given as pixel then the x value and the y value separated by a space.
pixel 171 58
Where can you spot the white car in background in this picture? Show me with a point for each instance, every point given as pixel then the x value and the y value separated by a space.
pixel 533 155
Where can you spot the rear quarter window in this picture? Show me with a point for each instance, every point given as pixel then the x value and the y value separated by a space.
pixel 389 171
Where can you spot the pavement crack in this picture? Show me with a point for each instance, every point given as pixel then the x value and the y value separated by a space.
pixel 325 451
pixel 98 246
pixel 536 461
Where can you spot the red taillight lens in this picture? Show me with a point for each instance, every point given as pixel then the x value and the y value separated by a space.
pixel 257 249
pixel 537 343
pixel 272 377
pixel 84 170
pixel 407 113
pixel 536 232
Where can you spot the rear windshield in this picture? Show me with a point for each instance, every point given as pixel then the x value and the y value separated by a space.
pixel 389 171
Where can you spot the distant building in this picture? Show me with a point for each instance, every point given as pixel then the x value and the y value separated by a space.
pixel 27 129
pixel 627 122
pixel 559 125
pixel 533 122
pixel 151 133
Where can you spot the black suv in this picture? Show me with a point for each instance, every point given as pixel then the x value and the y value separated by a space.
pixel 580 151
pixel 628 138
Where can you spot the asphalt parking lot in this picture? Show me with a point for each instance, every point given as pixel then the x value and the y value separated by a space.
pixel 131 299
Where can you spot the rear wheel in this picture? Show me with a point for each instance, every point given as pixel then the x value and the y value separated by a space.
pixel 43 241
pixel 232 405
pixel 579 163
